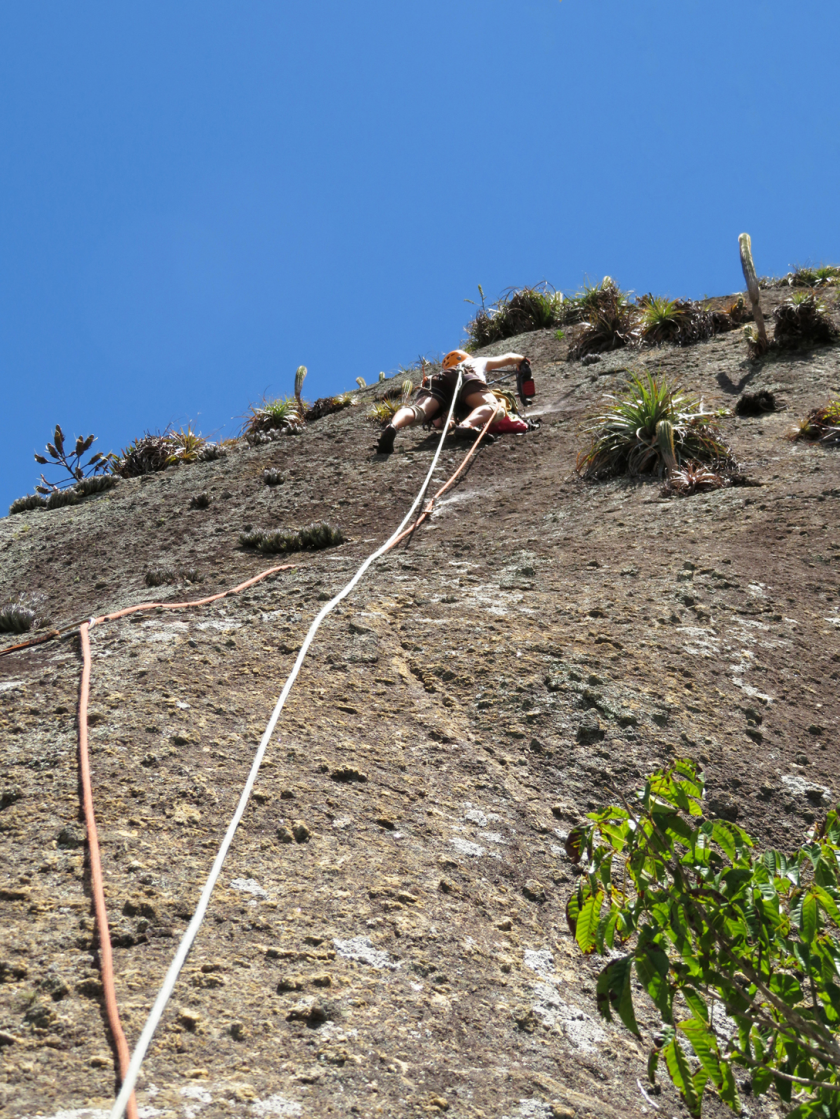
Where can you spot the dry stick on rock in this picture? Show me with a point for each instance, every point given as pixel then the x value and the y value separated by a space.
pixel 745 245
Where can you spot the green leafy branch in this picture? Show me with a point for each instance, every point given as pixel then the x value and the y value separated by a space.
pixel 738 951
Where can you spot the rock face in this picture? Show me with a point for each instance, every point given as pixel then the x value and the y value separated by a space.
pixel 388 937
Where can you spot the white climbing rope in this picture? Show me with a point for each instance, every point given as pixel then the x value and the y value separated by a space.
pixel 189 936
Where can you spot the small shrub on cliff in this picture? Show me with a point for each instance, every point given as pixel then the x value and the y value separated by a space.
pixel 71 461
pixel 159 576
pixel 738 951
pixel 649 428
pixel 275 541
pixel 693 477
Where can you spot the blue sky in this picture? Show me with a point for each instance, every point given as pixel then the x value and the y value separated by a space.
pixel 197 196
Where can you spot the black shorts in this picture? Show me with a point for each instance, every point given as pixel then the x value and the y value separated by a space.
pixel 441 386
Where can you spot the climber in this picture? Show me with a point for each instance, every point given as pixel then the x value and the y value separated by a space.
pixel 435 397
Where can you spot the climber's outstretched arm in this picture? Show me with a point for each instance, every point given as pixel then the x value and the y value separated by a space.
pixel 493 363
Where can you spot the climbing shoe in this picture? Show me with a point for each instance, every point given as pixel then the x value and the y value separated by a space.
pixel 470 435
pixel 386 440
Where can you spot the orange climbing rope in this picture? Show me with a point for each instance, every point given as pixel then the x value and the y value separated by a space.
pixel 97 886
pixel 106 963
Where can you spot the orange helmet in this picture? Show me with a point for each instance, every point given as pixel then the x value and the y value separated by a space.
pixel 454 357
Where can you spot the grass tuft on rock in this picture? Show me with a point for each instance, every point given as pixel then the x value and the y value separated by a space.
pixel 278 541
pixel 679 321
pixel 651 427
pixel 160 576
pixel 15 617
pixel 755 403
pixel 86 487
pixel 26 503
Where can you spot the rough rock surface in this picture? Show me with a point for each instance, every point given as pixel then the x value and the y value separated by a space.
pixel 388 937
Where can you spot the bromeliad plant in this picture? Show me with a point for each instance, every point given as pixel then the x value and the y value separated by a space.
pixel 519 310
pixel 610 321
pixel 154 452
pixel 680 321
pixel 803 320
pixel 738 951
pixel 809 277
pixel 822 425
pixel 649 428
pixel 283 414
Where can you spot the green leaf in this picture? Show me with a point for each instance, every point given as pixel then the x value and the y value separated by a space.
pixel 606 928
pixel 587 924
pixel 812 1109
pixel 613 992
pixel 675 827
pixel 784 1088
pixel 573 911
pixel 831 998
pixel 828 903
pixel 680 1073
pixel 762 1078
pixel 810 918
pixel 704 1045
pixel 730 838
pixel 652 968
pixel 696 1004
pixel 787 987
pixel 728 1089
